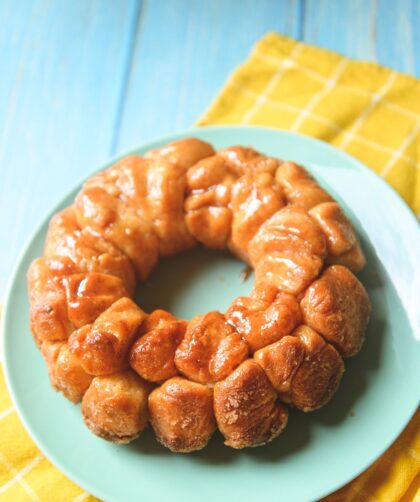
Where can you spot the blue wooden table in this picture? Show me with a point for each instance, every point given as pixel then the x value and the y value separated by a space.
pixel 81 80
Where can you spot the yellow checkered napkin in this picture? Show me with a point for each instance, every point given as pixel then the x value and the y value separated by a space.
pixel 25 474
pixel 369 111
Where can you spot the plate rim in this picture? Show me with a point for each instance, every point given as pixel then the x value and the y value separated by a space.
pixel 51 456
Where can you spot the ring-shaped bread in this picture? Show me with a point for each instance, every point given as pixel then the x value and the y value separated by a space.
pixel 284 343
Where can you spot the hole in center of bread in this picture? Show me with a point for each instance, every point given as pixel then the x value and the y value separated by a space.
pixel 194 282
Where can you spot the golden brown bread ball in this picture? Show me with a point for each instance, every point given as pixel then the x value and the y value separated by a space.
pixel 166 185
pixel 66 374
pixel 155 189
pixel 341 238
pixel 61 301
pixel 318 377
pixel 246 407
pixel 181 414
pixel 107 215
pixel 242 160
pixel 299 186
pixel 337 306
pixel 255 197
pixel 210 179
pixel 115 407
pixel 336 227
pixel 210 225
pixel 152 188
pixel 183 152
pixel 354 259
pixel 211 349
pixel 208 215
pixel 49 321
pixel 303 368
pixel 45 273
pixel 88 295
pixel 288 250
pixel 281 360
pixel 152 355
pixel 265 316
pixel 88 251
pixel 102 347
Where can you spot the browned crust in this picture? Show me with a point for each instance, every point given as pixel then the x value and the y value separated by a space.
pixel 246 407
pixel 181 414
pixel 115 407
pixel 102 347
pixel 338 307
pixel 152 356
pixel 211 349
pixel 108 436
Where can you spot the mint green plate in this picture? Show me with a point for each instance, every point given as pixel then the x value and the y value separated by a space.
pixel 318 452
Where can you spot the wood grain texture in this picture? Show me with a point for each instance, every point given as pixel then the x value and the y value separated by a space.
pixel 346 26
pixel 185 50
pixel 60 95
pixel 398 34
pixel 80 80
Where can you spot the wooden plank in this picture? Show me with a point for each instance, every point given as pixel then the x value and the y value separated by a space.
pixel 414 17
pixel 65 67
pixel 397 29
pixel 383 31
pixel 185 51
pixel 346 26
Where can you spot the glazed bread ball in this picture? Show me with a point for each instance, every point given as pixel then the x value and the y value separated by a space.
pixel 152 356
pixel 207 204
pixel 166 185
pixel 88 251
pixel 265 316
pixel 341 238
pixel 280 361
pixel 242 160
pixel 106 214
pixel 183 152
pixel 66 374
pixel 88 295
pixel 61 301
pixel 114 204
pixel 49 320
pixel 354 259
pixel 336 227
pixel 102 347
pixel 181 414
pixel 115 407
pixel 288 250
pixel 299 186
pixel 255 197
pixel 210 350
pixel 303 368
pixel 246 407
pixel 154 189
pixel 338 307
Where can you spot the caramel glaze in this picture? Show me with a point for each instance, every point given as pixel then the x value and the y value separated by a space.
pixel 152 356
pixel 284 343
